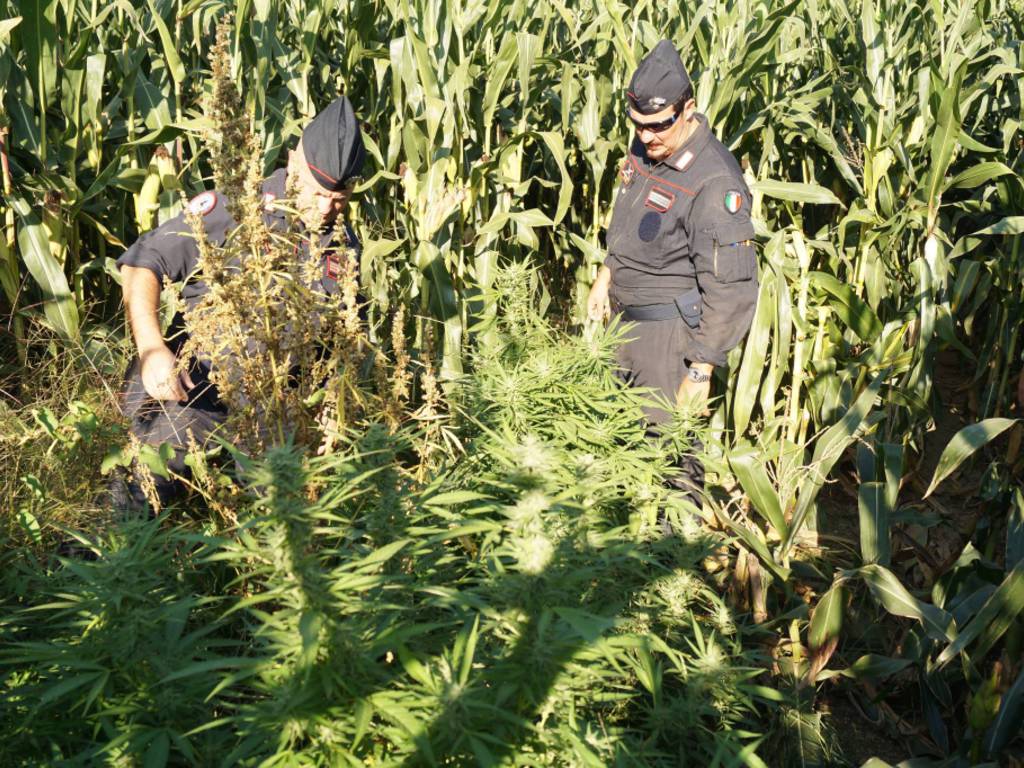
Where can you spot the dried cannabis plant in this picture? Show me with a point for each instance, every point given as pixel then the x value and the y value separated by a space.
pixel 283 355
pixel 286 357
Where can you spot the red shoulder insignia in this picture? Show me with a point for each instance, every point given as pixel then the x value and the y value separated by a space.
pixel 203 203
pixel 626 172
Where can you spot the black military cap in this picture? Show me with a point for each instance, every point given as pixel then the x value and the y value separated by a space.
pixel 660 81
pixel 333 145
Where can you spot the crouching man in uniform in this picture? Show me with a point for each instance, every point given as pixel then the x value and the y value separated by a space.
pixel 164 401
pixel 681 263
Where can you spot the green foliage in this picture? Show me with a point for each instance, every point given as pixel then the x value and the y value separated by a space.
pixel 55 428
pixel 517 608
pixel 881 141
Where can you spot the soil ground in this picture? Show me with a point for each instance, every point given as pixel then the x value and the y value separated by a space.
pixel 859 738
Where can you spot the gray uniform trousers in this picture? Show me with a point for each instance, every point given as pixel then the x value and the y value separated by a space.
pixel 652 357
pixel 166 421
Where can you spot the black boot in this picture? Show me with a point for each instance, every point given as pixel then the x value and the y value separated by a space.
pixel 124 496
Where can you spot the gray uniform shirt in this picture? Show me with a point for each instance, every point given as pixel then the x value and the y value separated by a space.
pixel 681 224
pixel 170 250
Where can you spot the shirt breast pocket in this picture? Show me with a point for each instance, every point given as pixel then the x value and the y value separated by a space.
pixel 733 256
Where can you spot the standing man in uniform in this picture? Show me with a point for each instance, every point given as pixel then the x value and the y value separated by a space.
pixel 681 263
pixel 165 401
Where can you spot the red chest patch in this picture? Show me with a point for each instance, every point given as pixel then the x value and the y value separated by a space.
pixel 332 265
pixel 660 199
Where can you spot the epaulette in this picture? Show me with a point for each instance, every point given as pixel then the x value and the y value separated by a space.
pixel 683 161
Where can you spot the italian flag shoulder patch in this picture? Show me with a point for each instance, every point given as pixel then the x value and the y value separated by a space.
pixel 733 201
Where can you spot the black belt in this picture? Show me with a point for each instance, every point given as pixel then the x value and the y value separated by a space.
pixel 686 306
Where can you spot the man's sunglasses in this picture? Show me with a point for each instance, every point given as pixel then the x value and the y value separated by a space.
pixel 658 127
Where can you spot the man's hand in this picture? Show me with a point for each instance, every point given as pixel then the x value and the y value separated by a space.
pixel 159 377
pixel 142 300
pixel 695 394
pixel 597 301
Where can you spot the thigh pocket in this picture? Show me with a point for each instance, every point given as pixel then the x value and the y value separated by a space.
pixel 734 258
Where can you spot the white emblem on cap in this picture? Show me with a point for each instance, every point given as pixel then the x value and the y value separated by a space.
pixel 202 204
pixel 684 160
pixel 268 201
pixel 657 101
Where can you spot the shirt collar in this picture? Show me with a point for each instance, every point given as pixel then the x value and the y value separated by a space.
pixel 683 157
pixel 274 189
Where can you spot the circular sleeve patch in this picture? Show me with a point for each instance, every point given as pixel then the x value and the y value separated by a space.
pixel 203 203
pixel 649 227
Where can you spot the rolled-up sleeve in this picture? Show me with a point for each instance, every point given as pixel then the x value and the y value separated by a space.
pixel 726 265
pixel 168 251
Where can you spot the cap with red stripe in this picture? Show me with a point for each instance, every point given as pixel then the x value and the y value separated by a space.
pixel 333 145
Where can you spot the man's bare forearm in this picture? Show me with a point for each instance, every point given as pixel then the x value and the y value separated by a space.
pixel 142 303
pixel 160 375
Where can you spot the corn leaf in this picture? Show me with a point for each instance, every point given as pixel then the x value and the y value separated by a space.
pixel 827 617
pixel 755 351
pixel 979 174
pixel 869 666
pixel 827 450
pixel 895 598
pixel 850 307
pixel 556 146
pixel 496 77
pixel 1011 225
pixel 994 618
pixel 1015 531
pixel 170 50
pixel 7 25
pixel 874 508
pixel 1009 721
pixel 38 36
pixel 58 303
pixel 796 192
pixel 944 139
pixel 964 444
pixel 748 464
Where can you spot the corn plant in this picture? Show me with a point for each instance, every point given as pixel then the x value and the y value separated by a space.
pixel 880 140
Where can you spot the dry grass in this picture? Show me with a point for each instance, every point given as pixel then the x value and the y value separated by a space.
pixel 58 419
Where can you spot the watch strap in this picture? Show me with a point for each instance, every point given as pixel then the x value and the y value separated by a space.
pixel 697 376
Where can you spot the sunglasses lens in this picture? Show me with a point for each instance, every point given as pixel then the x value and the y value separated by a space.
pixel 658 127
